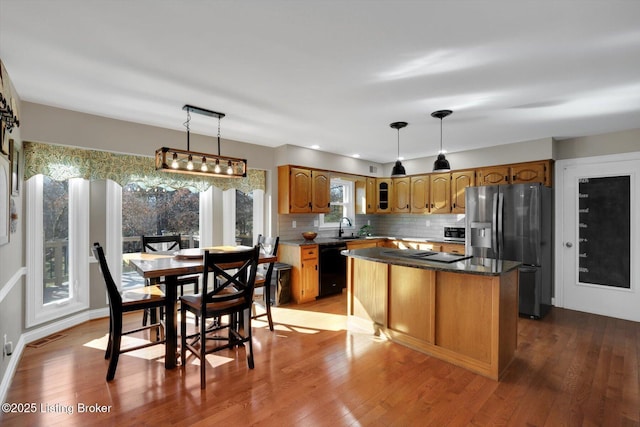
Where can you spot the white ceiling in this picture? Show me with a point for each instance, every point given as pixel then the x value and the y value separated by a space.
pixel 336 73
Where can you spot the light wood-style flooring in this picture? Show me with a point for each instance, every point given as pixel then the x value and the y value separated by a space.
pixel 571 369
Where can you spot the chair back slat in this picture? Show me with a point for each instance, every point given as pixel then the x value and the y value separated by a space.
pixel 268 246
pixel 233 273
pixel 115 300
pixel 173 242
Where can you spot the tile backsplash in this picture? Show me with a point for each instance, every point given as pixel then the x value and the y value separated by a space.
pixel 396 225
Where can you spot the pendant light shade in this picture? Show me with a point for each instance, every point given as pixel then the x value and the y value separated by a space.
pixel 398 169
pixel 441 164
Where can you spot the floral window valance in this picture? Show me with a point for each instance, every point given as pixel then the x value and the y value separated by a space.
pixel 61 163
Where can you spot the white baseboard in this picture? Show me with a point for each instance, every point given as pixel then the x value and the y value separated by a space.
pixel 44 331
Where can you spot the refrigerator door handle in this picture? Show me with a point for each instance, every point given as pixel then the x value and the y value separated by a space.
pixel 500 226
pixel 494 226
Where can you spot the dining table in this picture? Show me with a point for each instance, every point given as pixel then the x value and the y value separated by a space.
pixel 170 266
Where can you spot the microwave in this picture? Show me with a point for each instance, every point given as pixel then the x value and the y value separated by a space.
pixel 454 234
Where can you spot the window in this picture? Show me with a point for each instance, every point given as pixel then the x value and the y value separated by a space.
pixel 156 210
pixel 244 218
pixel 57 248
pixel 342 203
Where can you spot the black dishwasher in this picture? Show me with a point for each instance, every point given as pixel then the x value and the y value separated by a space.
pixel 333 269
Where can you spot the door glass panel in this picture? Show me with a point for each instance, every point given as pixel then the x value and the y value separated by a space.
pixel 604 231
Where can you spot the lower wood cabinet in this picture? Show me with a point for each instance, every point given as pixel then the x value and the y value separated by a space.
pixel 304 270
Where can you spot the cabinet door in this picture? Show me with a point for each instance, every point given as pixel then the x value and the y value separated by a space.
pixel 320 183
pixel 309 280
pixel 383 195
pixel 300 190
pixel 460 181
pixel 371 191
pixel 420 194
pixel 440 194
pixel 493 175
pixel 531 172
pixel 401 195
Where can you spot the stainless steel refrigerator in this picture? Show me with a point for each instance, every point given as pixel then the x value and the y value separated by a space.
pixel 513 222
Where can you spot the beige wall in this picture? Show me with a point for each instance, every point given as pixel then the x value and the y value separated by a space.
pixel 597 145
pixel 12 257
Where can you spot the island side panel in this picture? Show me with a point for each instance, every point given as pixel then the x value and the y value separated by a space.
pixel 411 304
pixel 464 314
pixel 367 299
pixel 509 288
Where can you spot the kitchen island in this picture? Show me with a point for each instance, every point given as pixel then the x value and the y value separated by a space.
pixel 461 310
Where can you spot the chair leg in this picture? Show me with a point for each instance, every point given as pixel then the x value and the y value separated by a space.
pixel 183 335
pixel 267 304
pixel 247 331
pixel 203 353
pixel 107 353
pixel 115 347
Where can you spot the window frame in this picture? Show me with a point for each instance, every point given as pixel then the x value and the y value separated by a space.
pixel 79 282
pixel 348 203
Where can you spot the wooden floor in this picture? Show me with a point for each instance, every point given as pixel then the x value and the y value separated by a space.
pixel 571 369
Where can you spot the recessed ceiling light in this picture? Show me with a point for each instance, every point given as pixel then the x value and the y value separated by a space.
pixel 315 146
pixel 356 156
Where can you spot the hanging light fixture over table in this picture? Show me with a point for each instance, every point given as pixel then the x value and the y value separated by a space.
pixel 398 169
pixel 191 162
pixel 441 164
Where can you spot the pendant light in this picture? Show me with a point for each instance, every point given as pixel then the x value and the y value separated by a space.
pixel 398 169
pixel 441 164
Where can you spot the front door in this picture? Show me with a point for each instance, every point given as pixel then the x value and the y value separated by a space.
pixel 597 235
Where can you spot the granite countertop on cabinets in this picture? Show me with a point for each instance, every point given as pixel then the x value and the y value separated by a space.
pixel 332 240
pixel 412 258
pixel 323 241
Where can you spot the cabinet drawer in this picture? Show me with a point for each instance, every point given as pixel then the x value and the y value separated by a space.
pixel 309 252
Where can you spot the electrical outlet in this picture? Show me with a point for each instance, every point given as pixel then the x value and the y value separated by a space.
pixel 293 224
pixel 315 222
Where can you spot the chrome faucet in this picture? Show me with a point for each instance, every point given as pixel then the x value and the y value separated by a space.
pixel 340 230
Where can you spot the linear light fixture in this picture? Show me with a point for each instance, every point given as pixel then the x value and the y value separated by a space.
pixel 196 163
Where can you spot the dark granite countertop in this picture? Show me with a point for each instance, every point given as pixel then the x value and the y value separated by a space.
pixel 332 240
pixel 413 258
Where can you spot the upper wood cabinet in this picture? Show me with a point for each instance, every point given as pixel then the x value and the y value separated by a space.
pixel 523 173
pixel 384 195
pixel 517 173
pixel 401 195
pixel 493 175
pixel 302 190
pixel 420 194
pixel 440 194
pixel 371 190
pixel 459 181
pixel 320 191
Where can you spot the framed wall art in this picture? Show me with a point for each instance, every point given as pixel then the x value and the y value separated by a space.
pixel 5 197
pixel 16 167
pixel 4 143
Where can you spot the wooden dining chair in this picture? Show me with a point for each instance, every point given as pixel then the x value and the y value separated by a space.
pixel 166 243
pixel 268 246
pixel 137 299
pixel 225 301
